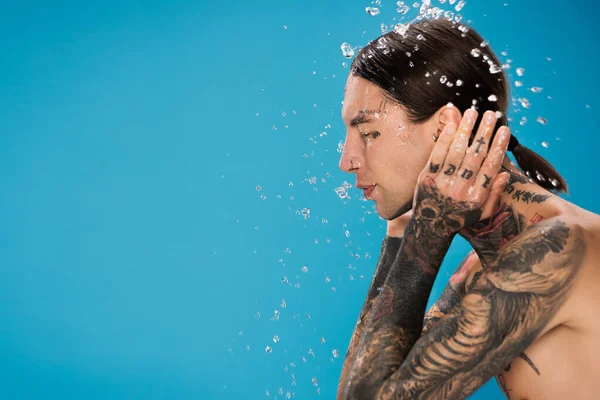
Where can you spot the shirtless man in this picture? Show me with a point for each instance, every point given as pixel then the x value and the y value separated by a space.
pixel 522 306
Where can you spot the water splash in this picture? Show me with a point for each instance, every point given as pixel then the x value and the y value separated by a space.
pixel 373 11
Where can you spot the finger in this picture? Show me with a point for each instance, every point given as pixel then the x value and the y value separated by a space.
pixel 493 201
pixel 476 153
pixel 491 166
pixel 456 153
pixel 440 150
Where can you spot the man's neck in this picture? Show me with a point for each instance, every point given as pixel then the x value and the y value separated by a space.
pixel 522 204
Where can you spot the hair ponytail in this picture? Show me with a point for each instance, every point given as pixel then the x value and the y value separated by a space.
pixel 537 168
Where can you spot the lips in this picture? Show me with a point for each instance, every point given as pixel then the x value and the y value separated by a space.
pixel 368 190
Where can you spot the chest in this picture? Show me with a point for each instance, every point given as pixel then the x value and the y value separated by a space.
pixel 561 364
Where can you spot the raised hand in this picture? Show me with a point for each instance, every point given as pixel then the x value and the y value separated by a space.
pixel 461 183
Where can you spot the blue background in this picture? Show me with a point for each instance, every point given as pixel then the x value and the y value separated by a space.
pixel 139 257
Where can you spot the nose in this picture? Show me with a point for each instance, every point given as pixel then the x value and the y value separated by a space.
pixel 349 161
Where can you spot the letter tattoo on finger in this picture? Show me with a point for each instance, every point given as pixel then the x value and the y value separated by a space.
pixel 487 181
pixel 433 168
pixel 450 170
pixel 467 174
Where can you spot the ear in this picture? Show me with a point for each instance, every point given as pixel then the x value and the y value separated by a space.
pixel 445 115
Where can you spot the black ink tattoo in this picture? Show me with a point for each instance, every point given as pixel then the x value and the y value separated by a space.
pixel 507 308
pixel 488 179
pixel 480 142
pixel 395 320
pixel 528 361
pixel 450 170
pixel 380 110
pixel 433 168
pixel 389 250
pixel 467 174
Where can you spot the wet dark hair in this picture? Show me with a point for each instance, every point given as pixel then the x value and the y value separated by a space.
pixel 436 62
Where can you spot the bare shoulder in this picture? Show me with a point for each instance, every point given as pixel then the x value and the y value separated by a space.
pixel 584 298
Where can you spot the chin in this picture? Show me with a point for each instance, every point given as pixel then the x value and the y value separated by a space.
pixel 397 210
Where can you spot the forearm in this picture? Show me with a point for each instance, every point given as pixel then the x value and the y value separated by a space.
pixel 389 251
pixel 396 318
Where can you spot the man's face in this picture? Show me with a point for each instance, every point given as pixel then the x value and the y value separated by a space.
pixel 382 147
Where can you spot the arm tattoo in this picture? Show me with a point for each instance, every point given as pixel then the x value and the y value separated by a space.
pixel 396 317
pixel 452 294
pixel 389 250
pixel 505 311
pixel 522 195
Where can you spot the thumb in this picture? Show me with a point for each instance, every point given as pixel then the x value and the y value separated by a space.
pixel 493 201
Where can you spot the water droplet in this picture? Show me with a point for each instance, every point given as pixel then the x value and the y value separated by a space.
pixel 554 182
pixel 372 11
pixel 345 64
pixel 342 191
pixel 315 382
pixel 347 50
pixel 291 184
pixel 402 28
pixel 484 43
pixel 327 279
pixel 258 188
pixel 494 69
pixel 498 114
pixel 536 89
pixel 525 103
pixel 475 52
pixel 257 315
pixel 347 233
pixel 449 15
pixel 285 27
pixel 520 71
pixel 518 83
pixel 268 349
pixel 284 279
pixel 335 353
pixel 304 269
pixel 523 121
pixel 545 144
pixel 459 83
pixel 247 348
pixel 542 121
pixel 323 340
pixel 305 213
pixel 443 79
pixel 275 339
pixel 492 97
pixel 287 251
pixel 263 196
pixel 460 5
pixel 283 303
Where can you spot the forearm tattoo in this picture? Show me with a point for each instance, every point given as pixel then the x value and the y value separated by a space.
pixel 389 250
pixel 396 318
pixel 507 307
pixel 522 195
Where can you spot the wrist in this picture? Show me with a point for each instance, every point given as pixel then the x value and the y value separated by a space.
pixel 421 224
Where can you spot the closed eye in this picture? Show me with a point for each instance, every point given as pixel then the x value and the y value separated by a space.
pixel 373 135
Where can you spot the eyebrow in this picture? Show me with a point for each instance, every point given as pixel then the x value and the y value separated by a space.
pixel 360 119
